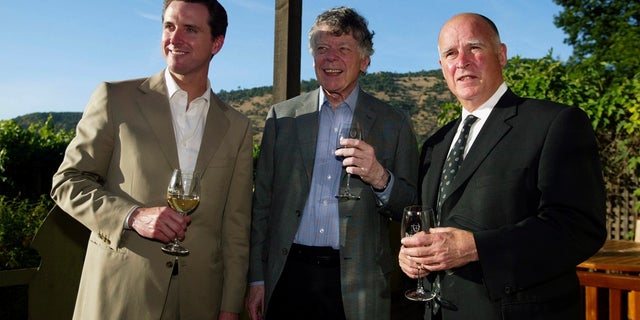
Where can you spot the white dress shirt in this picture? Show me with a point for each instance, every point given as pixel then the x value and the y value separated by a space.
pixel 482 113
pixel 188 121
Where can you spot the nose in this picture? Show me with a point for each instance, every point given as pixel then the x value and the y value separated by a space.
pixel 462 61
pixel 331 54
pixel 175 36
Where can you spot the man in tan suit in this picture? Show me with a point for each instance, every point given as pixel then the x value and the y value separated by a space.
pixel 114 178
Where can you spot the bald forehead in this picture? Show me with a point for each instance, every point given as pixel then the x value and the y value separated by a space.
pixel 476 28
pixel 471 20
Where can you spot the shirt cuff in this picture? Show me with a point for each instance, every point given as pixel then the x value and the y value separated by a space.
pixel 125 224
pixel 384 195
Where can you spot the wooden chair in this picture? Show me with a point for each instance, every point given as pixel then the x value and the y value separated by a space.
pixel 61 242
pixel 616 284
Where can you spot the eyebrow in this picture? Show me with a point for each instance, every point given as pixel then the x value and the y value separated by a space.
pixel 192 26
pixel 468 43
pixel 476 42
pixel 184 25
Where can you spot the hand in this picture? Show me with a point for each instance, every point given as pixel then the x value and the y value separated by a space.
pixel 159 223
pixel 360 159
pixel 255 302
pixel 228 316
pixel 441 249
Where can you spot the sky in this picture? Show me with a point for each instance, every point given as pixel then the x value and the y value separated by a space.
pixel 55 53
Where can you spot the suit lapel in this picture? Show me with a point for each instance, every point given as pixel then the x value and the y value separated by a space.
pixel 216 126
pixel 437 157
pixel 365 113
pixel 154 106
pixel 307 130
pixel 492 132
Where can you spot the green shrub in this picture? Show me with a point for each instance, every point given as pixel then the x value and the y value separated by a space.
pixel 19 222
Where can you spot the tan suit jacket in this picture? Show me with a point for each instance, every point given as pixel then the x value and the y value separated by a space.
pixel 122 157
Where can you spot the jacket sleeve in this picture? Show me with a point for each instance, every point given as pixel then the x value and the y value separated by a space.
pixel 570 222
pixel 262 199
pixel 78 185
pixel 405 171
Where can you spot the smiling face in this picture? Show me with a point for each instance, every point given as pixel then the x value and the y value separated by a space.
pixel 472 58
pixel 338 62
pixel 187 45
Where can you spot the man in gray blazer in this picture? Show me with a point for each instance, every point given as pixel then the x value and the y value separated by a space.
pixel 314 256
pixel 527 203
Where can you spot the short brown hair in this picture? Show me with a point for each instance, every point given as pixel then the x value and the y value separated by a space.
pixel 217 15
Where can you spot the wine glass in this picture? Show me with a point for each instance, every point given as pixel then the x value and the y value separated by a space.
pixel 348 131
pixel 183 196
pixel 415 219
pixel 436 281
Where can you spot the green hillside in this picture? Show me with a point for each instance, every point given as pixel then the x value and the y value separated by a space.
pixel 420 94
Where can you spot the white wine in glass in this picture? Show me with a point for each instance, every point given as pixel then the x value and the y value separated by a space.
pixel 183 196
pixel 415 219
pixel 348 131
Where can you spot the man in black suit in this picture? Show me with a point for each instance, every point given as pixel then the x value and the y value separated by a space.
pixel 526 205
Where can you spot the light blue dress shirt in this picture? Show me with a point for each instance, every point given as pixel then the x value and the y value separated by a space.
pixel 320 219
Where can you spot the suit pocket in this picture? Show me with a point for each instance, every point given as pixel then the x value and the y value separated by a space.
pixel 221 162
pixel 493 200
pixel 499 179
pixel 557 298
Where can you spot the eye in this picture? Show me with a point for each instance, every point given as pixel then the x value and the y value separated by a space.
pixel 191 29
pixel 476 47
pixel 449 54
pixel 169 27
pixel 321 49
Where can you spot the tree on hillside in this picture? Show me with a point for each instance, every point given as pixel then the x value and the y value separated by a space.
pixel 603 32
pixel 605 36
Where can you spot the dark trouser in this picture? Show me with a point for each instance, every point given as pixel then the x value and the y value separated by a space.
pixel 309 287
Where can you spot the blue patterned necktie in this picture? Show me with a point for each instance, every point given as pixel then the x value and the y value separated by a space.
pixel 454 160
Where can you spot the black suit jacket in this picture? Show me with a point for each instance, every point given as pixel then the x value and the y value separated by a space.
pixel 531 191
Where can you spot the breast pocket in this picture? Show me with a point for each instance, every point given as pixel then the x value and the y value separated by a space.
pixel 490 201
pixel 218 175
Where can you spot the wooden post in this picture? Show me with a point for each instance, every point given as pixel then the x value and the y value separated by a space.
pixel 286 64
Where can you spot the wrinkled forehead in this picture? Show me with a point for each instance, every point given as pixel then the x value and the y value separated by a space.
pixel 331 30
pixel 465 29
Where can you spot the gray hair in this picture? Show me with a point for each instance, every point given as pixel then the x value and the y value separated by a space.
pixel 343 20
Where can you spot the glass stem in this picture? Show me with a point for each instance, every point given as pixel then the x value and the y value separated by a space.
pixel 420 288
pixel 437 300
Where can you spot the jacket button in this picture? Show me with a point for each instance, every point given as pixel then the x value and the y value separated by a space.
pixel 284 251
pixel 169 264
pixel 508 290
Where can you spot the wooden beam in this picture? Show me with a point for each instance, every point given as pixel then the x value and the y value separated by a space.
pixel 286 64
pixel 609 280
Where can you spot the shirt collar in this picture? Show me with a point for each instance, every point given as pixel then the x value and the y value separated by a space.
pixel 350 101
pixel 485 109
pixel 172 86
